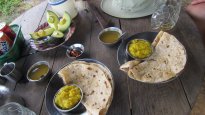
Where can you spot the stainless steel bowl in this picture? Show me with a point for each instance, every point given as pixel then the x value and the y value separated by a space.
pixel 128 53
pixel 75 47
pixel 45 76
pixel 72 109
pixel 110 29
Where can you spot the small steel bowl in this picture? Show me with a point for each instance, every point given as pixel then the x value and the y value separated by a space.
pixel 44 76
pixel 75 47
pixel 110 29
pixel 128 53
pixel 75 108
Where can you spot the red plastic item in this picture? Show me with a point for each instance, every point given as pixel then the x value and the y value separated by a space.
pixel 7 30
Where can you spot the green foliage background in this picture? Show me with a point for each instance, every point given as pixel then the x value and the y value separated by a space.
pixel 8 6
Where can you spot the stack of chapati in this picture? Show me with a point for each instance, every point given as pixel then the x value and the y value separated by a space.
pixel 167 61
pixel 96 82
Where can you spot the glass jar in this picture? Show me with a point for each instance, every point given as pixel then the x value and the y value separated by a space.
pixel 166 15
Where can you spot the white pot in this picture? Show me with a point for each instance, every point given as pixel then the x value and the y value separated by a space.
pixel 60 6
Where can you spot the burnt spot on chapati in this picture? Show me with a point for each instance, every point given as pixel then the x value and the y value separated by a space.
pixel 148 76
pixel 152 60
pixel 101 93
pixel 104 100
pixel 92 92
pixel 94 75
pixel 109 79
pixel 106 84
pixel 89 68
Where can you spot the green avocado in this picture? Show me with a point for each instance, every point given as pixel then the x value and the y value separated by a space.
pixel 35 35
pixel 65 22
pixel 52 19
pixel 49 31
pixel 57 34
pixel 42 33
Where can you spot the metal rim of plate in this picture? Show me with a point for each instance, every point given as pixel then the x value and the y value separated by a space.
pixel 56 83
pixel 66 38
pixel 122 57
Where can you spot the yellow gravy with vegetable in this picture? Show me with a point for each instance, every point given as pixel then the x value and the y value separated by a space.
pixel 139 48
pixel 68 97
pixel 109 36
pixel 39 71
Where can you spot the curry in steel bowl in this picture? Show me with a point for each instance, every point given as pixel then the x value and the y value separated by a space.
pixel 139 48
pixel 38 71
pixel 166 62
pixel 68 98
pixel 110 36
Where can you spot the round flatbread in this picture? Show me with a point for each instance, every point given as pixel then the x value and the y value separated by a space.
pixel 167 61
pixel 94 82
pixel 109 77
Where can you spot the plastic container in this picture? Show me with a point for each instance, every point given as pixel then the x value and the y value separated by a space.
pixel 14 53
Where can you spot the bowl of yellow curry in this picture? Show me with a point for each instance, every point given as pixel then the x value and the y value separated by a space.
pixel 38 72
pixel 68 98
pixel 139 49
pixel 110 36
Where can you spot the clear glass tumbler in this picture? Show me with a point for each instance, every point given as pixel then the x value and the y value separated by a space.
pixel 166 15
pixel 13 108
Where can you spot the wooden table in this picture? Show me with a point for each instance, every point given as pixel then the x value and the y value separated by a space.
pixel 130 97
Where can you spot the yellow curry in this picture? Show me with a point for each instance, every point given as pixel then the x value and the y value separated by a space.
pixel 68 97
pixel 110 37
pixel 139 48
pixel 39 71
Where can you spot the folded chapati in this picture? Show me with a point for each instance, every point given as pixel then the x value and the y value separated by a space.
pixel 96 82
pixel 167 61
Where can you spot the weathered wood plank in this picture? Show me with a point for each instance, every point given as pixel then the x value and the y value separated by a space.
pixel 198 108
pixel 108 55
pixel 33 93
pixel 43 20
pixel 31 19
pixel 81 35
pixel 168 99
pixel 18 19
pixel 19 63
pixel 192 77
pixel 165 99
